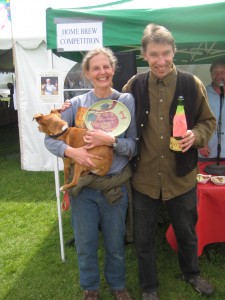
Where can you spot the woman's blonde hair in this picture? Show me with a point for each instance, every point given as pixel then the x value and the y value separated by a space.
pixel 102 50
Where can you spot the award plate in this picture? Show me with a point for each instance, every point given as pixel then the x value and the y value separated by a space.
pixel 108 115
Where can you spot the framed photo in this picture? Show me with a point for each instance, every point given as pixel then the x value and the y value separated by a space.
pixel 49 86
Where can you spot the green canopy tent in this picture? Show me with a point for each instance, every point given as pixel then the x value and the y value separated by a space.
pixel 199 30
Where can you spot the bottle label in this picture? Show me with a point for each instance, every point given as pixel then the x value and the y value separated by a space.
pixel 174 144
pixel 179 125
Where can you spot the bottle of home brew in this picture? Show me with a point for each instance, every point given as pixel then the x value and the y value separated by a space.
pixel 179 125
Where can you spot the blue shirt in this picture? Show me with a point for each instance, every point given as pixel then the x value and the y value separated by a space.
pixel 126 147
pixel 214 103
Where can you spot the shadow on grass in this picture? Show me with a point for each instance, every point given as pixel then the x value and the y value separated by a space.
pixel 44 276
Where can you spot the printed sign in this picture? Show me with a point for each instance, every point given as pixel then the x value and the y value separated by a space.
pixel 81 36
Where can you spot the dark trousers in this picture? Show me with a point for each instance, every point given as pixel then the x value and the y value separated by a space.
pixel 183 215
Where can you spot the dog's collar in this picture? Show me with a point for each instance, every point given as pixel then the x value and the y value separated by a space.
pixel 54 136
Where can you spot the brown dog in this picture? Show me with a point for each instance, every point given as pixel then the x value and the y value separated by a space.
pixel 55 127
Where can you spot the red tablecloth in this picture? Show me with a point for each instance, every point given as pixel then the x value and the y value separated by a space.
pixel 210 227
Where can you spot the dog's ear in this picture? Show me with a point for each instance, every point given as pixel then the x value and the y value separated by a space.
pixel 59 110
pixel 37 117
pixel 56 111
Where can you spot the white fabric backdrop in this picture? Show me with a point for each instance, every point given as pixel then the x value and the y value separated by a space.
pixel 34 156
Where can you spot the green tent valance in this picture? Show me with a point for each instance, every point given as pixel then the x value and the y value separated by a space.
pixel 199 30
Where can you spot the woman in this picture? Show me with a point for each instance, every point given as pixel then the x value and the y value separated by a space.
pixel 91 207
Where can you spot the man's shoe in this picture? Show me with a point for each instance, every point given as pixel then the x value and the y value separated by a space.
pixel 91 295
pixel 150 296
pixel 122 294
pixel 200 285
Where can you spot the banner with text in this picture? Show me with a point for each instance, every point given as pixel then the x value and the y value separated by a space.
pixel 82 36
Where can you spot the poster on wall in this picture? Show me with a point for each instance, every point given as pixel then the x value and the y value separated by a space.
pixel 49 86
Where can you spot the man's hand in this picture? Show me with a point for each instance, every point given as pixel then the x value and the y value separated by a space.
pixel 187 140
pixel 204 151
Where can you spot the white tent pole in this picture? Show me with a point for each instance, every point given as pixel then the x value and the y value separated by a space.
pixel 57 185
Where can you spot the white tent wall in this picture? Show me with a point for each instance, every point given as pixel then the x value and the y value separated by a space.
pixel 201 71
pixel 34 156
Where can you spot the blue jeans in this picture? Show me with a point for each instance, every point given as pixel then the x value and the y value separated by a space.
pixel 89 209
pixel 183 214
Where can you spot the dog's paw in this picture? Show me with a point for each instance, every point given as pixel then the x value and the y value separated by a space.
pixel 62 189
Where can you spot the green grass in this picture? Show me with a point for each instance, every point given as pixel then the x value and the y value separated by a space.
pixel 30 261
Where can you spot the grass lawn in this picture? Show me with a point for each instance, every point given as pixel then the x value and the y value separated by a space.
pixel 30 261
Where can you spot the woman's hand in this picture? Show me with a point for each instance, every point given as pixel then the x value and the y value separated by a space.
pixel 66 105
pixel 95 138
pixel 81 156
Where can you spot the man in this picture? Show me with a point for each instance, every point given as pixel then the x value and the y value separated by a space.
pixel 160 174
pixel 215 90
pixel 48 87
pixel 11 89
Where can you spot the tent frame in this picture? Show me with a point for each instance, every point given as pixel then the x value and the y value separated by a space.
pixel 57 185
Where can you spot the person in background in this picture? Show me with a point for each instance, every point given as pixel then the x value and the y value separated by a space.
pixel 48 87
pixel 217 71
pixel 11 89
pixel 91 207
pixel 160 175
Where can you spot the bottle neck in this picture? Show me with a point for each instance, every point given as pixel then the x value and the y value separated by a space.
pixel 180 107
